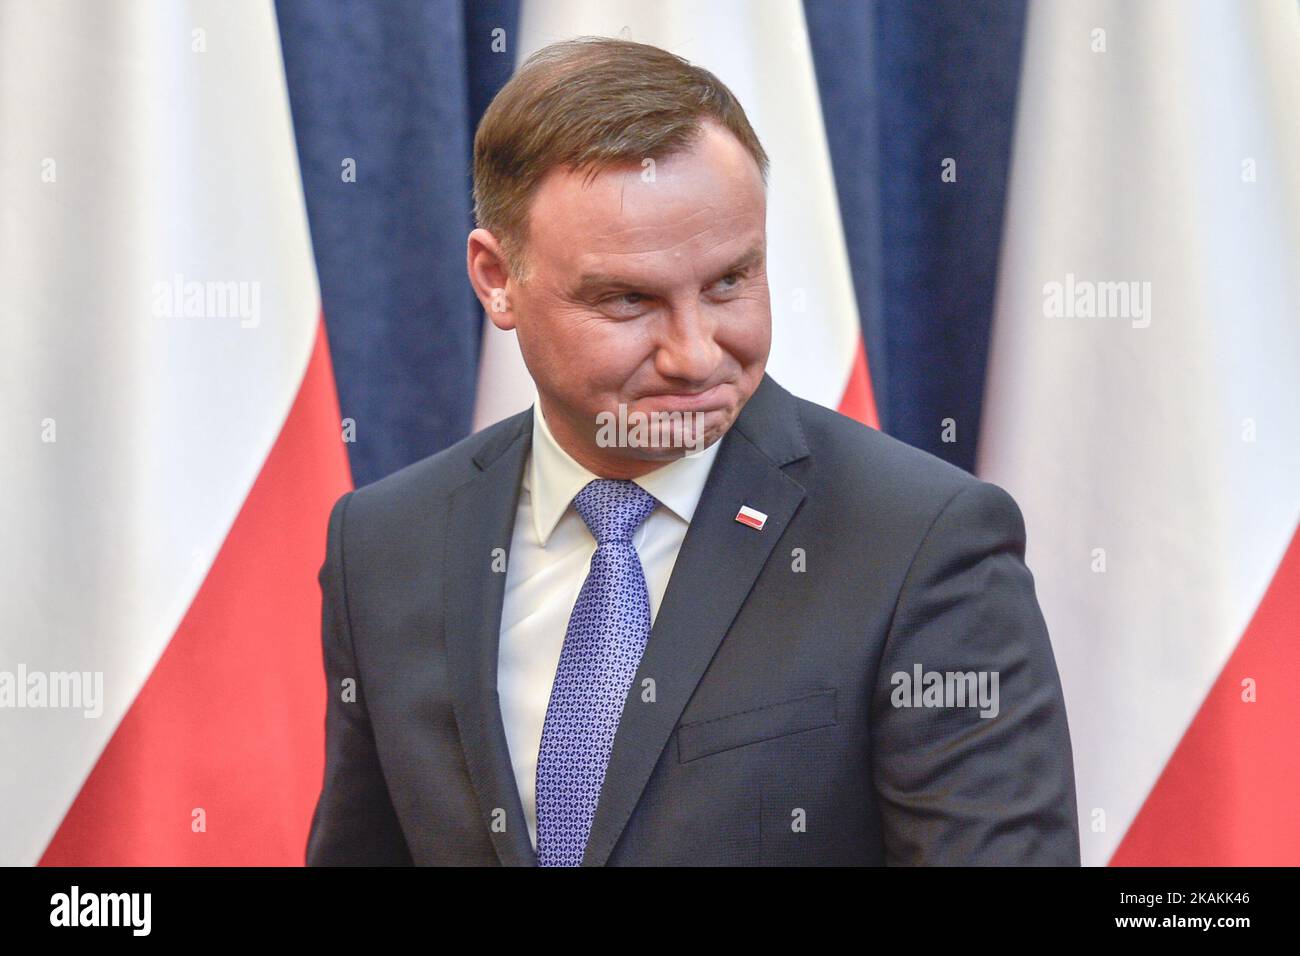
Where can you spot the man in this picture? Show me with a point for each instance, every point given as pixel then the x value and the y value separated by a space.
pixel 773 636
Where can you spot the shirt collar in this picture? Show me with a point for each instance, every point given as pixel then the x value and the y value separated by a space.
pixel 553 478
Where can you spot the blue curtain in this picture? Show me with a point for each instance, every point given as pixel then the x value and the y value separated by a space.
pixel 398 89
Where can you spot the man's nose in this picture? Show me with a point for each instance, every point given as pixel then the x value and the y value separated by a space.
pixel 687 350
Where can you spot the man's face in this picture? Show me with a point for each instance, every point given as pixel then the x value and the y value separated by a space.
pixel 647 294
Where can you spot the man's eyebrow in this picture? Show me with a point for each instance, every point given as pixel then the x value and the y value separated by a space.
pixel 750 258
pixel 596 281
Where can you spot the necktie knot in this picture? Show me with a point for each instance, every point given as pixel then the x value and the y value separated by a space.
pixel 613 509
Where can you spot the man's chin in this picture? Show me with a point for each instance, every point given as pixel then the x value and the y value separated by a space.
pixel 702 430
pixel 654 434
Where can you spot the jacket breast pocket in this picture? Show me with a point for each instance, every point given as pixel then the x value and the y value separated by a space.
pixel 807 712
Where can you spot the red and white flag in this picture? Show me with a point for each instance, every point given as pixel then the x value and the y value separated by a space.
pixel 174 441
pixel 764 58
pixel 1143 387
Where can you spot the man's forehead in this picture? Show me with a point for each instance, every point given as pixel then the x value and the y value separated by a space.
pixel 631 205
pixel 645 205
pixel 715 151
pixel 639 226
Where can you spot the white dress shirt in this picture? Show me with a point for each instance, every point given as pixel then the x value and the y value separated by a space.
pixel 550 553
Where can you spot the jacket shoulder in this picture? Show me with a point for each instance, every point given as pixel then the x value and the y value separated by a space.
pixel 887 488
pixel 873 461
pixel 437 475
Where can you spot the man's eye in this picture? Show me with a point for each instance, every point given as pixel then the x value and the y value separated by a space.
pixel 736 276
pixel 625 299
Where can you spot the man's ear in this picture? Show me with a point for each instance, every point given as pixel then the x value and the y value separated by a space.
pixel 490 278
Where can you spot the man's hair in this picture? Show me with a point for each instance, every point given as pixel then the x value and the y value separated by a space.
pixel 590 103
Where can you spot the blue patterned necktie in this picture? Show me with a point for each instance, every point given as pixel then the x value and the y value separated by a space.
pixel 602 649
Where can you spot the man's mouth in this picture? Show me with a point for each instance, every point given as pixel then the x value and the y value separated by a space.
pixel 707 400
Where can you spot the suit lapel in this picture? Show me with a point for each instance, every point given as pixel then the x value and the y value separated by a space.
pixel 481 517
pixel 719 561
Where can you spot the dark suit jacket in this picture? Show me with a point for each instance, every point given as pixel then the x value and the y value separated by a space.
pixel 771 737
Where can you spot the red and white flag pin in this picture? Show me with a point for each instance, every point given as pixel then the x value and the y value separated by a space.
pixel 749 516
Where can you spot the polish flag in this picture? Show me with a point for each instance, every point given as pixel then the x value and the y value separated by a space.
pixel 1142 406
pixel 764 58
pixel 174 441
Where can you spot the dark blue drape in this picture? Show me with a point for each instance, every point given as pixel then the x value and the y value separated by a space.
pixel 399 87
